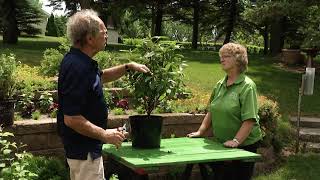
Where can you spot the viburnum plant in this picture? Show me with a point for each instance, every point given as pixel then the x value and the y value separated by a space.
pixel 166 76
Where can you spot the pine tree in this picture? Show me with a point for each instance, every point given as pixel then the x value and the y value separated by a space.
pixel 51 29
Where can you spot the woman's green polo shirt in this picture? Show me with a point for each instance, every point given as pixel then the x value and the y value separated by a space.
pixel 232 105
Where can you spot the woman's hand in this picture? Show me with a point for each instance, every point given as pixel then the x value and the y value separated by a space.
pixel 194 134
pixel 231 144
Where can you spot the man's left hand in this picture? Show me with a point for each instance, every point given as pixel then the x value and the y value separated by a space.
pixel 139 67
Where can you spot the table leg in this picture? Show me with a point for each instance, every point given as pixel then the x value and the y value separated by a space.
pixel 123 172
pixel 187 172
pixel 204 171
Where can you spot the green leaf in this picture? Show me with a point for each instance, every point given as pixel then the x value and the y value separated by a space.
pixel 2 165
pixel 7 151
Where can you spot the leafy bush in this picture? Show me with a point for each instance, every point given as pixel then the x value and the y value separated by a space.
pixel 47 168
pixel 18 165
pixel 13 164
pixel 132 41
pixel 25 105
pixel 276 130
pixel 30 80
pixel 45 102
pixel 118 111
pixel 8 66
pixel 166 78
pixel 106 59
pixel 51 61
pixel 36 115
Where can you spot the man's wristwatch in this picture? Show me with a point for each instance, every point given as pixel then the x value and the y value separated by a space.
pixel 236 140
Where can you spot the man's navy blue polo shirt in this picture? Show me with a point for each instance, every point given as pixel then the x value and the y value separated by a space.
pixel 80 93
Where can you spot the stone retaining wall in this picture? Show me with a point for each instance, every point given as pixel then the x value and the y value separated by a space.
pixel 41 137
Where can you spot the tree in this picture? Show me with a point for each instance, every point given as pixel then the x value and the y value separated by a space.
pixel 51 29
pixel 61 22
pixel 19 16
pixel 29 15
pixel 9 21
pixel 279 20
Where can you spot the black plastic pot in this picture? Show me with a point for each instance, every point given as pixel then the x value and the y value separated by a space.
pixel 146 131
pixel 7 112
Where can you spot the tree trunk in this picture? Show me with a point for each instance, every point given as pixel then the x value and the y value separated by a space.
pixel 195 31
pixel 86 4
pixel 266 40
pixel 153 20
pixel 276 37
pixel 158 21
pixel 158 18
pixel 232 19
pixel 10 27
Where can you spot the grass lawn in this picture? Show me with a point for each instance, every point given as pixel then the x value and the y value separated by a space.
pixel 30 50
pixel 202 73
pixel 298 167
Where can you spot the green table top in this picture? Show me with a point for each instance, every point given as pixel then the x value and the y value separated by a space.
pixel 175 151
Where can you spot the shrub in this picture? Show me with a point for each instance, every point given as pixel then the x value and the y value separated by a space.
pixel 166 78
pixel 276 130
pixel 36 115
pixel 8 67
pixel 47 168
pixel 30 80
pixel 45 102
pixel 18 165
pixel 13 163
pixel 26 106
pixel 106 59
pixel 118 111
pixel 132 41
pixel 51 61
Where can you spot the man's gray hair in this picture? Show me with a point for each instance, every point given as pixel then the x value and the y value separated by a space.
pixel 83 23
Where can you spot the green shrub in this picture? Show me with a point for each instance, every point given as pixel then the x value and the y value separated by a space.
pixel 25 105
pixel 13 163
pixel 118 111
pixel 36 115
pixel 51 61
pixel 8 68
pixel 106 59
pixel 47 168
pixel 45 101
pixel 30 80
pixel 277 131
pixel 132 41
pixel 166 79
pixel 18 165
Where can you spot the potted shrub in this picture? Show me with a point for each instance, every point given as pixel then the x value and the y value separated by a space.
pixel 7 88
pixel 149 89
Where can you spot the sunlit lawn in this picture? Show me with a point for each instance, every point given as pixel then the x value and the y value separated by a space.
pixel 298 167
pixel 202 73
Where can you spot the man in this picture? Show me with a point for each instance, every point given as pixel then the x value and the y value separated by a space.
pixel 82 111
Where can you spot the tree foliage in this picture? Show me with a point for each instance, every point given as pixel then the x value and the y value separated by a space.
pixel 51 29
pixel 18 17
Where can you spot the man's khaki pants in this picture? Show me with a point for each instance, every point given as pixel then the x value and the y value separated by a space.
pixel 86 169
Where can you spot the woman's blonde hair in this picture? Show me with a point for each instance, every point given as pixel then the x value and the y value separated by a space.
pixel 83 23
pixel 237 51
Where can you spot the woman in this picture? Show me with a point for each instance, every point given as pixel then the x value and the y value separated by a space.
pixel 233 113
